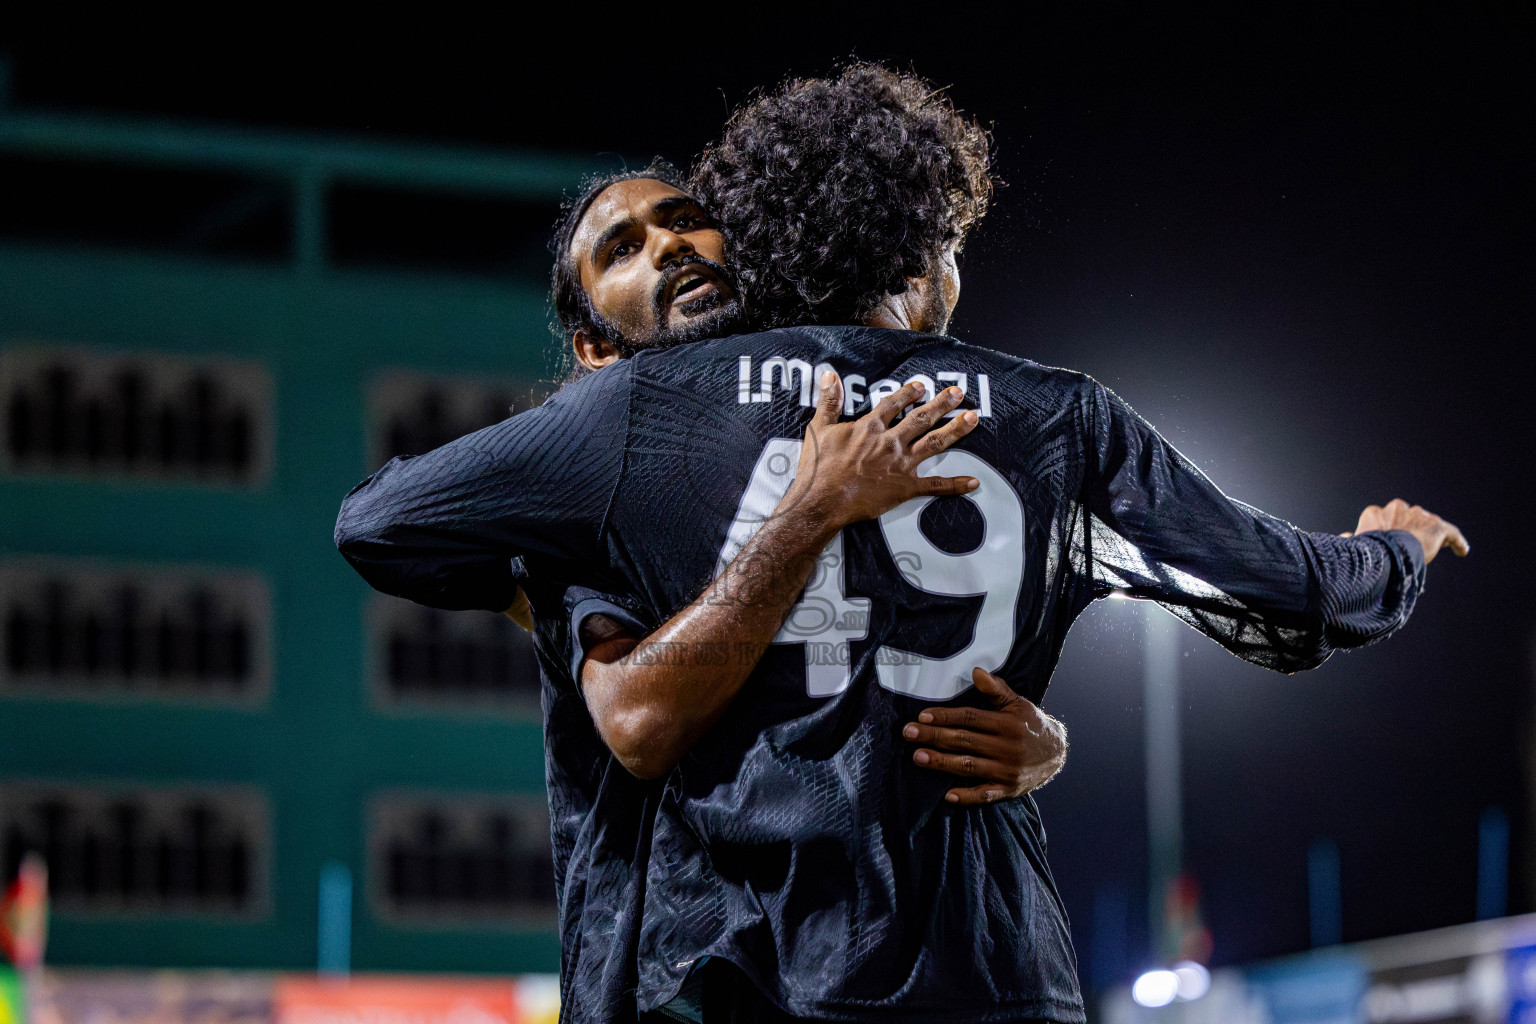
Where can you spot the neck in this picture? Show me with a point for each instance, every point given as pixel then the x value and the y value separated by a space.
pixel 895 312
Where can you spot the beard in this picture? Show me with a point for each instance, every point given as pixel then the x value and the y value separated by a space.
pixel 936 316
pixel 935 312
pixel 712 315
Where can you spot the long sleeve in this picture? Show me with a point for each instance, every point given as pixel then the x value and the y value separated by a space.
pixel 1270 593
pixel 443 529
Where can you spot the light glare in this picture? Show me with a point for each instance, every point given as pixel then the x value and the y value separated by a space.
pixel 1194 980
pixel 1155 988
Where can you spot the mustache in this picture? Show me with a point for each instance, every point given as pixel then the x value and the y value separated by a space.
pixel 678 266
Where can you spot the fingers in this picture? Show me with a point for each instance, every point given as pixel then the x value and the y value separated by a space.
pixel 987 745
pixel 939 486
pixel 938 440
pixel 1449 535
pixel 891 405
pixel 1441 535
pixel 993 686
pixel 925 416
pixel 973 795
pixel 1370 519
pixel 521 611
pixel 995 723
pixel 968 766
pixel 956 741
pixel 830 404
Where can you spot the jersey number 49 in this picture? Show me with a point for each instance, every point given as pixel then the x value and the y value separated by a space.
pixel 826 620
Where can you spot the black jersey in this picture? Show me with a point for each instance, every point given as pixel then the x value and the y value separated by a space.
pixel 601 817
pixel 797 840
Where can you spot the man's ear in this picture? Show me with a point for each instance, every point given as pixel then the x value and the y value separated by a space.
pixel 591 351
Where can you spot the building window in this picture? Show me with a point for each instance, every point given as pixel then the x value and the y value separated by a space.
pixel 428 659
pixel 81 412
pixel 155 850
pixel 411 413
pixel 422 658
pixel 83 630
pixel 438 859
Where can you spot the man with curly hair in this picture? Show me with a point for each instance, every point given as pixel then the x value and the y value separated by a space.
pixel 846 200
pixel 798 864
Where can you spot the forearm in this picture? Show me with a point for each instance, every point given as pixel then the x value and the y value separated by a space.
pixel 1268 592
pixel 441 528
pixel 1277 596
pixel 410 533
pixel 1367 584
pixel 654 702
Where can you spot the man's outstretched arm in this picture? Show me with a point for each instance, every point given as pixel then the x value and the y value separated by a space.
pixel 441 529
pixel 649 706
pixel 1267 591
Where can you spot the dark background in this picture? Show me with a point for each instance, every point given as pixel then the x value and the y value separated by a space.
pixel 1300 243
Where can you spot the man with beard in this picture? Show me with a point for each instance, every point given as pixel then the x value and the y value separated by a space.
pixel 646 213
pixel 797 864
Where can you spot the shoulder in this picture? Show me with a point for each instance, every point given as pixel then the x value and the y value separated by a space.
pixel 584 414
pixel 597 389
pixel 1051 387
pixel 599 396
pixel 1026 369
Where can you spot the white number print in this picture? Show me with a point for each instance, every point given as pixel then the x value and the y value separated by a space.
pixel 826 620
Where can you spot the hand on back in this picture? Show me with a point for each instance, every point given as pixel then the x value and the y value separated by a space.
pixel 1007 750
pixel 864 468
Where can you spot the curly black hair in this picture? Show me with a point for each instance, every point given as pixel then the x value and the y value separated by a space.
pixel 832 192
pixel 573 309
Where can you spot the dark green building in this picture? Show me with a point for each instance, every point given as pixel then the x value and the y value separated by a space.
pixel 206 338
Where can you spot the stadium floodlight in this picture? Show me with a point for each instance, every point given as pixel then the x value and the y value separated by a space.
pixel 1156 988
pixel 1194 980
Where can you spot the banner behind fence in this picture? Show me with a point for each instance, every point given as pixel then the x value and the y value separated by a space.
pixel 249 997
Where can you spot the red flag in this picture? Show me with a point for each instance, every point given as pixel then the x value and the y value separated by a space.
pixel 24 914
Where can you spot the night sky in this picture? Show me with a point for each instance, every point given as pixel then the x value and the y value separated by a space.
pixel 1301 245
